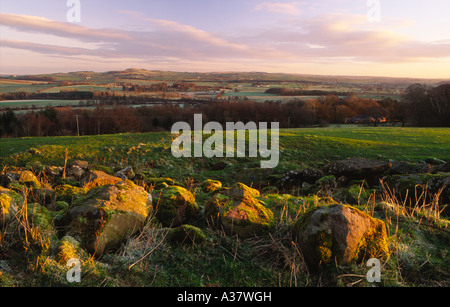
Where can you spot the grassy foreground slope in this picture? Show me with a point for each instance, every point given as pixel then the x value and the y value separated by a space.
pixel 298 148
pixel 419 239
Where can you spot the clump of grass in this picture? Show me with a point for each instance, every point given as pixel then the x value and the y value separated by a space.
pixel 419 237
pixel 423 208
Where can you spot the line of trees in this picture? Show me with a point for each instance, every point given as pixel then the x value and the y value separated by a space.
pixel 422 106
pixel 63 95
pixel 121 119
pixel 429 106
pixel 282 91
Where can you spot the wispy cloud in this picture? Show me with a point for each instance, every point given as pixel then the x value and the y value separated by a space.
pixel 191 33
pixel 45 49
pixel 291 8
pixel 164 38
pixel 344 36
pixel 35 24
pixel 326 38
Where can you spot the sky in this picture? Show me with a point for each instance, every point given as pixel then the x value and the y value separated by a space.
pixel 394 38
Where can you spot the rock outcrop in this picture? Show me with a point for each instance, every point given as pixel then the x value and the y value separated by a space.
pixel 239 211
pixel 107 214
pixel 210 185
pixel 98 178
pixel 413 186
pixel 369 170
pixel 175 206
pixel 187 234
pixel 77 169
pixel 9 204
pixel 339 233
pixel 25 177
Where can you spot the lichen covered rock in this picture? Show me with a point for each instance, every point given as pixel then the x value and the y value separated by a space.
pixel 210 185
pixel 41 220
pixel 98 178
pixel 175 206
pixel 238 211
pixel 126 173
pixel 9 204
pixel 358 169
pixel 28 178
pixel 340 233
pixel 69 193
pixel 19 178
pixel 107 214
pixel 160 183
pixel 69 248
pixel 187 234
pixel 409 186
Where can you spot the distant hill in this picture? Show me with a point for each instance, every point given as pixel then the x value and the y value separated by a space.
pixel 443 83
pixel 143 74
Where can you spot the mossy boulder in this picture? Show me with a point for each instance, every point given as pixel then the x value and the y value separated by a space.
pixel 77 169
pixel 61 205
pixel 327 183
pixel 53 171
pixel 68 193
pixel 41 219
pixel 210 185
pixel 408 182
pixel 44 195
pixel 160 183
pixel 357 168
pixel 414 184
pixel 297 178
pixel 340 234
pixel 106 215
pixel 9 204
pixel 403 168
pixel 81 164
pixel 239 211
pixel 355 194
pixel 126 173
pixel 69 248
pixel 29 179
pixel 75 172
pixel 187 234
pixel 19 178
pixel 175 206
pixel 434 161
pixel 98 178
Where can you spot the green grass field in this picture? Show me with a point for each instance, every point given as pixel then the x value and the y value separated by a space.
pixel 298 148
pixel 37 103
pixel 249 94
pixel 409 144
pixel 418 240
pixel 80 88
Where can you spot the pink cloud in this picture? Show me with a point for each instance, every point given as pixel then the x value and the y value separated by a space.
pixel 333 38
pixel 43 25
pixel 291 8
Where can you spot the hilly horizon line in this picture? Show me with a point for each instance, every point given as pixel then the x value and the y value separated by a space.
pixel 143 70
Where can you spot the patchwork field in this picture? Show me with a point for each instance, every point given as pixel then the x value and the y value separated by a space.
pixel 37 103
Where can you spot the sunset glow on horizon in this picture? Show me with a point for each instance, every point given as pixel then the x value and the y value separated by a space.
pixel 342 37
